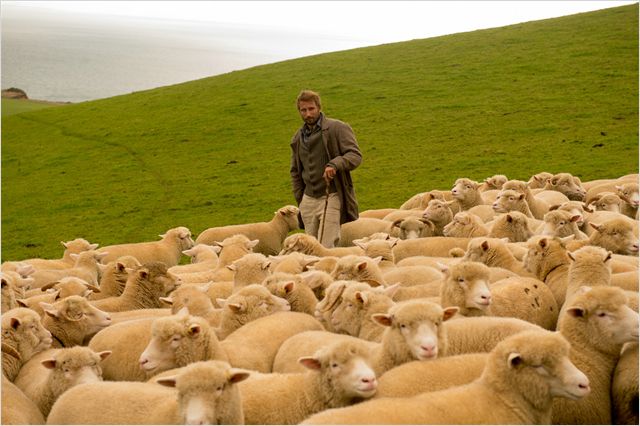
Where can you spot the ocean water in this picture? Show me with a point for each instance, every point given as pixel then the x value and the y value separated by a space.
pixel 71 58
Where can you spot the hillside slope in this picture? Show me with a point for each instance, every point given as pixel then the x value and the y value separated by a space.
pixel 553 95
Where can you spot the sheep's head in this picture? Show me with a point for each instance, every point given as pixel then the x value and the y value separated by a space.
pixel 560 223
pixel 616 235
pixel 516 185
pixel 629 193
pixel 542 250
pixel 539 180
pixel 509 200
pixel 378 248
pixel 466 285
pixel 290 216
pixel 463 225
pixel 22 327
pixel 181 235
pixel 79 313
pixel 358 268
pixel 567 184
pixel 439 211
pixel 413 227
pixel 513 225
pixel 464 188
pixel 75 365
pixel 606 201
pixel 495 181
pixel 300 242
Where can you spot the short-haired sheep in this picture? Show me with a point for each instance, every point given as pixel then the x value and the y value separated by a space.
pixel 616 235
pixel 467 193
pixel 354 314
pixel 429 246
pixel 114 277
pixel 270 234
pixel 624 387
pixel 466 286
pixel 630 194
pixel 513 225
pixel 517 386
pixel 72 320
pixel 509 200
pixel 252 268
pixel 145 285
pixel 85 267
pixel 203 258
pixel 440 214
pixel 561 223
pixel 17 408
pixel 75 246
pixel 50 373
pixel 339 375
pixel 292 263
pixel 308 244
pixel 168 250
pixel 291 288
pixel 205 393
pixel 465 225
pixel 548 260
pixel 537 206
pixel 493 252
pixel 597 323
pixel 23 336
pixel 567 184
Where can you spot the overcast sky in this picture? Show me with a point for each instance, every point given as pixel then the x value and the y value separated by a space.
pixel 373 22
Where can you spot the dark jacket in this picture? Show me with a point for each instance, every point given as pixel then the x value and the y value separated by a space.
pixel 344 153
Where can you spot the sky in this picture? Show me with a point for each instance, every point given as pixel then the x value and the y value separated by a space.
pixel 371 22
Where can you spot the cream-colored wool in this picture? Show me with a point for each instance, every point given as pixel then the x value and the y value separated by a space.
pixel 624 387
pixel 205 393
pixel 293 263
pixel 196 299
pixel 467 194
pixel 382 249
pixel 494 252
pixel 354 315
pixel 291 288
pixel 23 336
pixel 376 213
pixel 72 286
pixel 513 225
pixel 308 244
pixel 318 281
pixel 509 200
pixel 73 320
pixel 439 213
pixel 75 246
pixel 114 277
pixel 269 234
pixel 607 201
pixel 548 260
pixel 363 227
pixel 568 185
pixel 539 180
pixel 466 286
pixel 630 196
pixel 332 299
pixel 168 250
pixel 8 298
pixel 85 267
pixel 252 268
pixel 430 246
pixel 561 223
pixel 17 408
pixel 465 225
pixel 537 206
pixel 421 200
pixel 203 258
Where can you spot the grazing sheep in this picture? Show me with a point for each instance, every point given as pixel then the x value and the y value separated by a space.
pixel 168 250
pixel 254 345
pixel 517 386
pixel 439 213
pixel 17 408
pixel 205 393
pixel 203 258
pixel 252 268
pixel 75 246
pixel 561 223
pixel 548 260
pixel 509 200
pixel 416 377
pixel 291 288
pixel 85 267
pixel 270 234
pixel 354 315
pixel 339 375
pixel 429 246
pixel 247 304
pixel 513 225
pixel 50 373
pixel 493 252
pixel 308 244
pixel 465 225
pixel 23 336
pixel 467 194
pixel 421 200
pixel 145 285
pixel 624 387
pixel 72 320
pixel 597 323
pixel 114 277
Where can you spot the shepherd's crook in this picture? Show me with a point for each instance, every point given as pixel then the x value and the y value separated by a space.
pixel 326 203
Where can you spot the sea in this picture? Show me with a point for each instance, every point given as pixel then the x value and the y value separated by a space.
pixel 62 57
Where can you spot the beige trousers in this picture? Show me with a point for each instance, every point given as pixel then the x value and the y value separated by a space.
pixel 312 209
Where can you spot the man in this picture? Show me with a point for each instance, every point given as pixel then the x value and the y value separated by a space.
pixel 323 152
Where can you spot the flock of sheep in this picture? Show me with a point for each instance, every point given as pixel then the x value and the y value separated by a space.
pixel 501 302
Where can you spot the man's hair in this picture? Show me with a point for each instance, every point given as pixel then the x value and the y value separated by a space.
pixel 307 96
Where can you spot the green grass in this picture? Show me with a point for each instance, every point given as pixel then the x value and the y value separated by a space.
pixel 553 95
pixel 17 106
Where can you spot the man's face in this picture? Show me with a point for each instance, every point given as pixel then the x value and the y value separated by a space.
pixel 308 111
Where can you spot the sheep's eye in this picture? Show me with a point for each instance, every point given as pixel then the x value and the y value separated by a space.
pixel 562 222
pixel 460 280
pixel 403 326
pixel 219 388
pixel 602 314
pixel 334 365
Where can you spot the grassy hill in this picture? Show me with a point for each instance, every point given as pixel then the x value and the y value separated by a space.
pixel 553 95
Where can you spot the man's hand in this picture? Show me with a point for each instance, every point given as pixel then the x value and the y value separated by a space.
pixel 329 173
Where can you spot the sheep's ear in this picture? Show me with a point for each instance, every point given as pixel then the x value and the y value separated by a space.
pixel 393 241
pixel 22 303
pixel 64 244
pixel 167 300
pixel 554 207
pixel 235 307
pixel 514 360
pixel 608 257
pixel 74 256
pixel 396 223
pixel 576 312
pixel 443 268
pixel 449 312
pixel 361 297
pixel 428 223
pixel 49 363
pixel 362 266
pixel 521 197
pixel 50 310
pixel 391 290
pixel 167 381
pixel 485 245
pixel 216 249
pixel 571 256
pixel 311 363
pixel 236 375
pixel 231 267
pixel 377 259
pixel 359 243
pixel 543 243
pixel 143 273
pixel 93 288
pixel 101 255
pixel 575 218
pixel 221 302
pixel 595 226
pixel 251 244
pixel 194 329
pixel 509 218
pixel 104 354
pixel 383 319
pixel 288 287
pixel 266 264
pixel 49 285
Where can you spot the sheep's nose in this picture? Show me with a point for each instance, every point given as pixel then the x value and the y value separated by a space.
pixel 368 380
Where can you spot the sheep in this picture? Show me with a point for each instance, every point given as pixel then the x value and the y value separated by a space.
pixel 561 223
pixel 332 299
pixel 416 377
pixel 429 246
pixel 597 323
pixel 380 248
pixel 318 281
pixel 537 206
pixel 205 393
pixel 17 408
pixel 363 227
pixel 75 246
pixel 421 200
pixel 339 375
pixel 467 194
pixel 616 235
pixel 293 263
pixel 626 280
pixel 465 286
pixel 513 225
pixel 465 225
pixel 624 387
pixel 168 250
pixel 568 185
pixel 114 277
pixel 71 286
pixel 308 244
pixel 23 336
pixel 252 268
pixel 493 252
pixel 606 201
pixel 292 289
pixel 629 193
pixel 509 200
pixel 19 284
pixel 85 267
pixel 254 345
pixel 399 215
pixel 50 373
pixel 576 208
pixel 548 260
pixel 203 257
pixel 325 264
pixel 376 213
pixel 8 294
pixel 440 214
pixel 414 227
pixel 145 285
pixel 72 320
pixel 247 304
pixel 539 180
pixel 196 300
pixel 601 185
pixel 517 386
pixel 354 314
pixel 270 234
pixel 493 182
